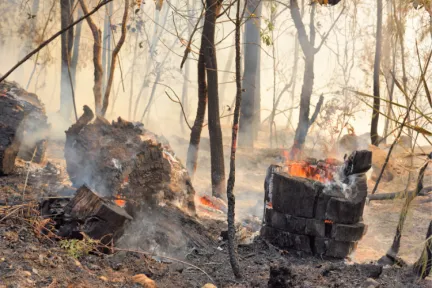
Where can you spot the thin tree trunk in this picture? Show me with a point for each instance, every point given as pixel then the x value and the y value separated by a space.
pixel 394 250
pixel 257 94
pixel 29 41
pixel 195 136
pixel 423 266
pixel 251 65
pixel 76 45
pixel 133 76
pixel 106 38
pixel 215 132
pixel 376 78
pixel 66 101
pixel 186 75
pixel 231 180
pixel 153 46
pixel 114 59
pixel 390 89
pixel 43 36
pixel 308 77
pixel 97 59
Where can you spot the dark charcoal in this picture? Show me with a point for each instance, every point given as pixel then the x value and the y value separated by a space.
pixel 321 206
pixel 294 196
pixel 320 245
pixel 343 211
pixel 98 218
pixel 370 270
pixel 315 227
pixel 343 232
pixel 339 249
pixel 358 162
pixel 23 124
pixel 276 237
pixel 301 243
pixel 281 276
pixel 295 224
pixel 268 215
pixel 279 221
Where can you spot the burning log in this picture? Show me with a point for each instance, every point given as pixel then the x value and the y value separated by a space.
pixel 22 126
pixel 87 212
pixel 314 213
pixel 123 158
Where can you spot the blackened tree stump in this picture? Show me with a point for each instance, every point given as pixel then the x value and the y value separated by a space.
pixel 97 217
pixel 124 158
pixel 23 126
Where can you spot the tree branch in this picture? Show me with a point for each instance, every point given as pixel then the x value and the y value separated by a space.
pixel 328 33
pixel 188 47
pixel 114 58
pixel 317 110
pixel 52 38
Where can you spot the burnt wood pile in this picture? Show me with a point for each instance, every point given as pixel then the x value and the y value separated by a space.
pixel 323 219
pixel 23 124
pixel 123 158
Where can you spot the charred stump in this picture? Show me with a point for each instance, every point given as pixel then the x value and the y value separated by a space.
pixel 23 124
pixel 98 218
pixel 124 158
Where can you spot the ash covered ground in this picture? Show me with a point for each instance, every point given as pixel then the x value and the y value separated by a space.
pixel 29 259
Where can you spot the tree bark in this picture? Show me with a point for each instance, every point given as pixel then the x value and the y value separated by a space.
pixel 66 101
pixel 376 78
pixel 308 77
pixel 76 45
pixel 424 264
pixel 97 59
pixel 195 137
pixel 250 78
pixel 215 132
pixel 114 59
pixel 231 180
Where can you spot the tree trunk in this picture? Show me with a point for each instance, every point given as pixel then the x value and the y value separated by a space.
pixel 424 265
pixel 235 128
pixel 114 59
pixel 195 137
pixel 251 65
pixel 215 132
pixel 295 68
pixel 308 78
pixel 376 83
pixel 66 101
pixel 97 55
pixel 186 75
pixel 394 250
pixel 106 40
pixel 133 76
pixel 76 46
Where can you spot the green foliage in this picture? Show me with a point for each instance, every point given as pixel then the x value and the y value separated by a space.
pixel 265 34
pixel 78 248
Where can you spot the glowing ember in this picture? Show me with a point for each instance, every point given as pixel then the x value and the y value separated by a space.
pixel 204 200
pixel 328 221
pixel 322 170
pixel 119 201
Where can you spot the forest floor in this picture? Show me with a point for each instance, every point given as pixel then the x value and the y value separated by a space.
pixel 28 259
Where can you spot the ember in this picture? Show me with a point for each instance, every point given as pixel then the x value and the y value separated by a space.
pixel 319 170
pixel 119 201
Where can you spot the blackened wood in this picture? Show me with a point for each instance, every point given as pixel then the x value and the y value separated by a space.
pixel 97 217
pixel 23 125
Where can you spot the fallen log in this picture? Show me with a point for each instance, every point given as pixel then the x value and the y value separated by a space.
pixel 124 158
pixel 87 212
pixel 23 126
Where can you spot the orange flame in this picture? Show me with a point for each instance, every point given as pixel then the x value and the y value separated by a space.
pixel 204 200
pixel 305 169
pixel 119 201
pixel 328 221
